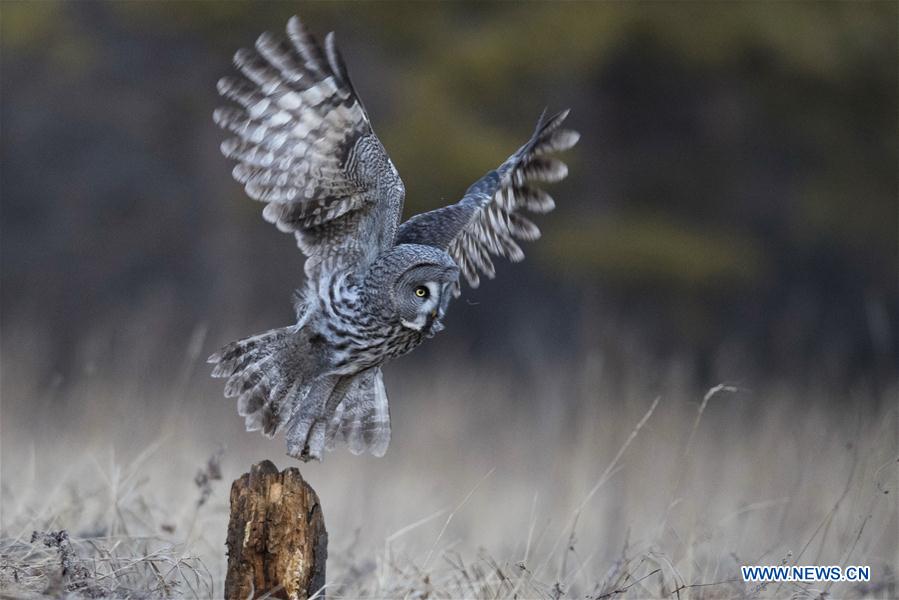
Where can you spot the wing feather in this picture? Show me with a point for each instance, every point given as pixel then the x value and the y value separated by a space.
pixel 304 146
pixel 489 218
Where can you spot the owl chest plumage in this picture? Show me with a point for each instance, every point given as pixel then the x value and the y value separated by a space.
pixel 356 335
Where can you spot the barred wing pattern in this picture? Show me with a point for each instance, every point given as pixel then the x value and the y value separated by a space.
pixel 362 419
pixel 488 220
pixel 305 147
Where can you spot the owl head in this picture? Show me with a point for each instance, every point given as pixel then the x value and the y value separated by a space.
pixel 416 284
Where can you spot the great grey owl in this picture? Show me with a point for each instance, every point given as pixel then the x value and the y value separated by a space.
pixel 375 288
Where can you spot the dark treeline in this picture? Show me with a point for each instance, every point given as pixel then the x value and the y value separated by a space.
pixel 733 198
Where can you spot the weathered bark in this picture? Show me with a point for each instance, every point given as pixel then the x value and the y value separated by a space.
pixel 277 543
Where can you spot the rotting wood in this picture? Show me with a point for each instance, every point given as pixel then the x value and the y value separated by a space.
pixel 277 543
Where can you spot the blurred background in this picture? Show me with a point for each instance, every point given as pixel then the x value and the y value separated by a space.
pixel 733 200
pixel 730 216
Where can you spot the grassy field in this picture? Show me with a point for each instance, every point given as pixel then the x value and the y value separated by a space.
pixel 554 481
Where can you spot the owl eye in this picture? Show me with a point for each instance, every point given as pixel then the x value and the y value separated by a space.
pixel 422 292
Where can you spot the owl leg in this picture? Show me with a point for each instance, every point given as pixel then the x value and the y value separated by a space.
pixel 306 435
pixel 362 416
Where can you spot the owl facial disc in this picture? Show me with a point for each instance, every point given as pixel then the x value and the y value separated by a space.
pixel 430 307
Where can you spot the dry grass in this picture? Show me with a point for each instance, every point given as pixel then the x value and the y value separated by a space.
pixel 559 482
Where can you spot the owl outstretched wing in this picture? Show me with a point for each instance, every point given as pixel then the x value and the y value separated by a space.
pixel 305 147
pixel 489 218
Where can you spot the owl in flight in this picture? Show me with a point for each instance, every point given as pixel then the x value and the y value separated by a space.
pixel 375 288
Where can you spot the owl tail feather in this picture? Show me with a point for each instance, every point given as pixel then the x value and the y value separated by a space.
pixel 341 408
pixel 277 385
pixel 266 375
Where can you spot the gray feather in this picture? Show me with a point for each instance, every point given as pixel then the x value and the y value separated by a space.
pixel 303 146
pixel 489 217
pixel 303 140
pixel 362 418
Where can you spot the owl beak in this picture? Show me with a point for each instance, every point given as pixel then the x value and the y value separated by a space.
pixel 434 325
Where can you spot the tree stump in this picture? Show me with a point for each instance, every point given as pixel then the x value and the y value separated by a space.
pixel 277 543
